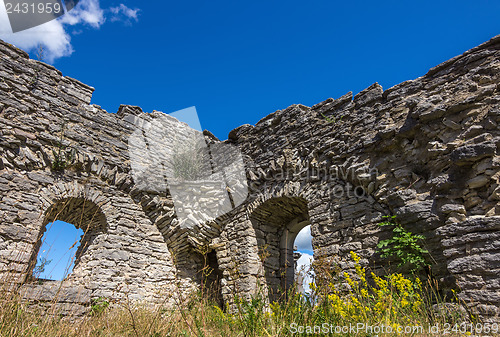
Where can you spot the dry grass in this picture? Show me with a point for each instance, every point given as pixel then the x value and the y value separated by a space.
pixel 392 301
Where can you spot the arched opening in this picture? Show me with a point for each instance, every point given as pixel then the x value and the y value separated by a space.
pixel 56 256
pixel 303 254
pixel 199 270
pixel 277 223
pixel 71 224
pixel 212 277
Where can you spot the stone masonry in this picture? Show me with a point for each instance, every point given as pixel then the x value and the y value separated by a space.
pixel 426 150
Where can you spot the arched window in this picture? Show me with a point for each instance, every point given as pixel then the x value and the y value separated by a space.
pixel 303 256
pixel 69 228
pixel 56 256
pixel 277 222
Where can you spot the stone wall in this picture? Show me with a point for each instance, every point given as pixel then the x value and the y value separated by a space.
pixel 46 119
pixel 425 150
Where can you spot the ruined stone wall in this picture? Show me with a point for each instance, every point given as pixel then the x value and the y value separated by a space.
pixel 425 150
pixel 80 175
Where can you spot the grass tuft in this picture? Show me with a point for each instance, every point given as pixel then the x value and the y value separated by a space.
pixel 337 299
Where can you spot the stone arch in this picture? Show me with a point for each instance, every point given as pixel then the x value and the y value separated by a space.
pixel 81 206
pixel 79 212
pixel 52 194
pixel 276 213
pixel 340 223
pixel 277 223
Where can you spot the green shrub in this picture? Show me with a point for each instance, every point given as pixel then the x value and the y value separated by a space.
pixel 404 246
pixel 98 306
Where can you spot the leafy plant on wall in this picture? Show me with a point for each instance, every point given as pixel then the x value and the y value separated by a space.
pixel 404 246
pixel 62 159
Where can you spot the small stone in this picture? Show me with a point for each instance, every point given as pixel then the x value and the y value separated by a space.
pixel 23 135
pixel 448 208
pixel 451 124
pixel 468 153
pixel 478 181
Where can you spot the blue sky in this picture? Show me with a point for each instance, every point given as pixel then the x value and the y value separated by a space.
pixel 236 61
pixel 59 245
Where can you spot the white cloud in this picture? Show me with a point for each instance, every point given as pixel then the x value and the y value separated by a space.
pixel 54 35
pixel 304 261
pixel 86 12
pixel 123 13
pixel 51 35
pixel 303 241
pixel 304 269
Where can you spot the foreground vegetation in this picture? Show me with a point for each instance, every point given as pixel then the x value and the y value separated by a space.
pixel 339 305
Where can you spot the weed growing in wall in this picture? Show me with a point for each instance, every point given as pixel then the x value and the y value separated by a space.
pixel 332 120
pixel 187 161
pixel 40 56
pixel 404 246
pixel 62 158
